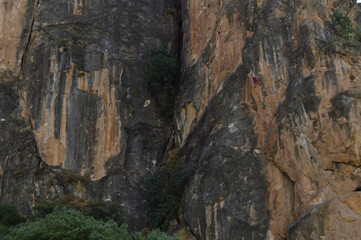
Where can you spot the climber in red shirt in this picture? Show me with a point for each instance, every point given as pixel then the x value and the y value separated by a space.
pixel 255 80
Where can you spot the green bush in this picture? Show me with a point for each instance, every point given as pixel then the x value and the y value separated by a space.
pixel 9 216
pixel 160 75
pixel 68 224
pixel 342 24
pixel 89 208
pixel 42 209
pixel 3 230
pixel 70 176
pixel 163 191
pixel 100 212
pixel 358 34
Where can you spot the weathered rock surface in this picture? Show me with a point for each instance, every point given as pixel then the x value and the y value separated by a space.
pixel 296 135
pixel 337 219
pixel 15 24
pixel 25 178
pixel 82 81
pixel 79 65
pixel 226 197
pixel 280 160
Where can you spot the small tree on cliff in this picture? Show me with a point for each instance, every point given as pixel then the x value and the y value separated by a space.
pixel 160 75
pixel 163 191
pixel 342 24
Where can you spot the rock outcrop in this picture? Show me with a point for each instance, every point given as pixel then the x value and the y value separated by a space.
pixel 279 160
pixel 79 85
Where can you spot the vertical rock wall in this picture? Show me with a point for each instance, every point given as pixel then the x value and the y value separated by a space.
pixel 296 134
pixel 82 78
pixel 77 67
pixel 15 24
pixel 280 160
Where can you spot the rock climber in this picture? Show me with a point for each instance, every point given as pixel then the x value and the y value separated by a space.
pixel 255 80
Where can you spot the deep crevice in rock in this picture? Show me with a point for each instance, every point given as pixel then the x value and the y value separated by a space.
pixel 36 5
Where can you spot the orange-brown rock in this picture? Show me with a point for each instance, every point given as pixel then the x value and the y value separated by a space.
pixel 275 160
pixel 305 116
pixel 75 73
pixel 11 28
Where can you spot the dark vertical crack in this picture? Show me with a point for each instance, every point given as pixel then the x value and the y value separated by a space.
pixel 179 19
pixel 20 76
pixel 27 46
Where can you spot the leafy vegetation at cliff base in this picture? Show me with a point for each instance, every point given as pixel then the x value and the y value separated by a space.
pixel 68 224
pixel 160 75
pixel 89 208
pixel 163 191
pixel 9 217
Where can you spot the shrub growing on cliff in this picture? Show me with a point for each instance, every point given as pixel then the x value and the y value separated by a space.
pixel 163 191
pixel 160 75
pixel 100 212
pixel 358 34
pixel 342 24
pixel 44 208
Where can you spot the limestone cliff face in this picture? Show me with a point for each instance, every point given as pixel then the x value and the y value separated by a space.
pixel 76 70
pixel 15 25
pixel 82 79
pixel 280 160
